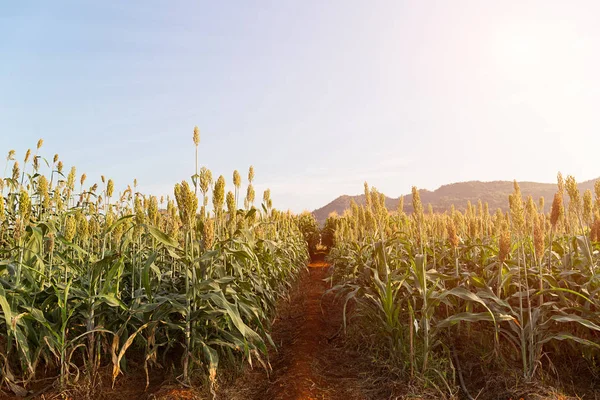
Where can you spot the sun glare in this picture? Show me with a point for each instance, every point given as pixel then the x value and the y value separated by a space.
pixel 521 50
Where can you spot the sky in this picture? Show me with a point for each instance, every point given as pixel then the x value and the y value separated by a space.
pixel 319 96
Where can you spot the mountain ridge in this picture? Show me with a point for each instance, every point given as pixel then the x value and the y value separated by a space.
pixel 495 193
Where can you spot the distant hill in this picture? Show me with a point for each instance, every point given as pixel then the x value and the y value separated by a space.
pixel 494 193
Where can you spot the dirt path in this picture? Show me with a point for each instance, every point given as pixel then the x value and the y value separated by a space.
pixel 309 363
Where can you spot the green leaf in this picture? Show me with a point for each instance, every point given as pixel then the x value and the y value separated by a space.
pixel 576 318
pixel 112 301
pixel 472 317
pixel 128 342
pixel 115 270
pixel 220 301
pixel 162 237
pixel 5 308
pixel 568 336
pixel 558 289
pixel 117 223
pixel 212 357
pixel 146 275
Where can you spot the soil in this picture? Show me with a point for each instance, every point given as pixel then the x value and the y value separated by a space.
pixel 310 362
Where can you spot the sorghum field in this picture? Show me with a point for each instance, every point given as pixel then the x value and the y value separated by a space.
pixel 98 289
pixel 474 304
pixel 143 263
pixel 94 281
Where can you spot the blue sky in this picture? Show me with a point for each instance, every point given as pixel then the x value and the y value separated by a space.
pixel 318 96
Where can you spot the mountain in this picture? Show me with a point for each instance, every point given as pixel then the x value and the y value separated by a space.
pixel 494 193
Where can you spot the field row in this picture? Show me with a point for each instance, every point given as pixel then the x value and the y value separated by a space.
pixel 91 279
pixel 512 294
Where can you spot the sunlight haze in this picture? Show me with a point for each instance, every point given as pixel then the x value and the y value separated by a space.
pixel 318 96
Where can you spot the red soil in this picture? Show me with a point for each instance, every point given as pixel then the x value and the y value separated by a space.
pixel 307 364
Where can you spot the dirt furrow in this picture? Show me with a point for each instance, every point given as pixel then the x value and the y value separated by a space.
pixel 307 364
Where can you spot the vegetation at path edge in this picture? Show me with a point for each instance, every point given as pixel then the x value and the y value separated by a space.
pixel 92 280
pixel 454 301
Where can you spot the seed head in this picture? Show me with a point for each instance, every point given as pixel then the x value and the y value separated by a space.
pixel 595 230
pixel 140 214
pixel 538 236
pixel 27 155
pixel 93 227
pixel 40 143
pixel 83 177
pixel 401 205
pixel 230 204
pixel 43 191
pixel 417 206
pixel 50 243
pixel 117 234
pixel 209 234
pixel 504 243
pixel 59 167
pixel 42 185
pixel 574 195
pixel 597 191
pixel 71 178
pixel 57 199
pixel 588 205
pixel 561 184
pixel 557 210
pixel 369 220
pixel 1 208
pixel 250 174
pixel 70 228
pixel 218 195
pixel 250 195
pixel 515 201
pixel 172 220
pixel 196 136
pixel 110 188
pixel 266 196
pixel 153 210
pixel 383 209
pixel 206 180
pixel 24 205
pixel 530 207
pixel 374 200
pixel 16 171
pixel 82 226
pixel 237 179
pixel 368 203
pixel 187 202
pixel 19 229
pixel 55 158
pixel 110 219
pixel 452 236
pixel 11 155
